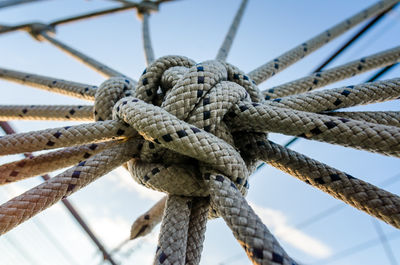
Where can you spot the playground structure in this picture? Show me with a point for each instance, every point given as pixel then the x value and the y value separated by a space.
pixel 288 109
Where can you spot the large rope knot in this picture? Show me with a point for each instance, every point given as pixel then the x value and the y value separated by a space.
pixel 179 108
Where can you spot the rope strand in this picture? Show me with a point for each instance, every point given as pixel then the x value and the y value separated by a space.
pixel 390 118
pixel 46 112
pixel 63 136
pixel 335 74
pixel 344 97
pixel 48 162
pixel 35 200
pixel 355 192
pixel 230 35
pixel 68 88
pixel 290 57
pixel 148 47
pixel 92 63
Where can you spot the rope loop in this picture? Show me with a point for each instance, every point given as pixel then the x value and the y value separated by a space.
pixel 178 108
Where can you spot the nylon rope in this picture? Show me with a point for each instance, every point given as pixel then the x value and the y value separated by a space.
pixel 230 36
pixel 283 61
pixel 56 85
pixel 148 49
pixel 206 123
pixel 94 64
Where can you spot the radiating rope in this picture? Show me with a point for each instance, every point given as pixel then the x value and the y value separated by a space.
pixel 344 97
pixel 48 162
pixel 148 48
pixel 230 35
pixel 94 64
pixel 69 88
pixel 46 112
pixel 207 124
pixel 43 196
pixel 335 74
pixel 357 134
pixel 290 57
pixel 64 136
pixel 391 118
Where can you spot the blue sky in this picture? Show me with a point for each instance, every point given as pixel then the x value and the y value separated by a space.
pixel 196 29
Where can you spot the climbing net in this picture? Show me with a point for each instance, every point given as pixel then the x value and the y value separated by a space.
pixel 196 131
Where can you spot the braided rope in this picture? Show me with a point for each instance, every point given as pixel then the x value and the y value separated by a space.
pixel 197 229
pixel 51 84
pixel 355 192
pixel 391 118
pixel 344 97
pixel 15 211
pixel 338 73
pixel 147 221
pixel 230 35
pixel 94 64
pixel 148 48
pixel 172 241
pixel 205 123
pixel 46 112
pixel 283 61
pixel 357 134
pixel 63 137
pixel 48 162
pixel 260 245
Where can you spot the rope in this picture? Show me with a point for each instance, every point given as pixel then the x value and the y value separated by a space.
pixel 68 88
pixel 147 221
pixel 143 4
pixel 344 97
pixel 197 229
pixel 391 118
pixel 260 245
pixel 171 248
pixel 148 48
pixel 46 112
pixel 48 162
pixel 202 100
pixel 335 74
pixel 230 36
pixel 360 135
pixel 15 211
pixel 290 57
pixel 92 63
pixel 196 132
pixel 63 137
pixel 355 192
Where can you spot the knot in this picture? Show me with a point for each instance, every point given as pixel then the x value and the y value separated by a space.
pixel 146 7
pixel 178 108
pixel 36 29
pixel 108 93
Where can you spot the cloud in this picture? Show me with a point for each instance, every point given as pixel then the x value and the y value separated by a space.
pixel 277 222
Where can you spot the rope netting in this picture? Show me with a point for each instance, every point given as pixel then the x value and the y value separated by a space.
pixel 196 131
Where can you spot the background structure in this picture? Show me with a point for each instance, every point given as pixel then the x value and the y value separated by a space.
pixel 313 227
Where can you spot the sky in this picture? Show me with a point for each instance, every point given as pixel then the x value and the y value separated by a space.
pixel 289 208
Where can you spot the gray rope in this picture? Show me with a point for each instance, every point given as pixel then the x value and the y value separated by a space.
pixel 230 35
pixel 290 57
pixel 94 64
pixel 69 88
pixel 320 79
pixel 148 48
